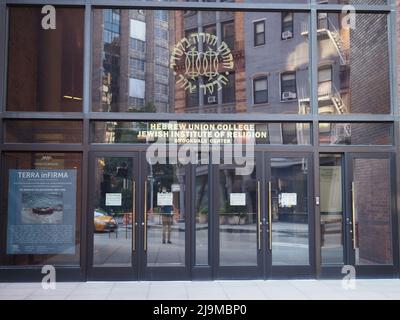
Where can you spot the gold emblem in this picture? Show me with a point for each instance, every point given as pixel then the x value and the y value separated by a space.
pixel 201 56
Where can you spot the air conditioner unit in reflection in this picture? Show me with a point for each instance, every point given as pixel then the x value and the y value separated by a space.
pixel 211 99
pixel 289 95
pixel 287 35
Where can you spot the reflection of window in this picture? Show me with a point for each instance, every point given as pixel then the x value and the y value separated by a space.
pixel 192 98
pixel 211 30
pixel 228 90
pixel 188 35
pixel 161 89
pixel 259 33
pixel 110 37
pixel 136 103
pixel 161 15
pixel 325 81
pixel 137 64
pixel 228 34
pixel 136 68
pixel 161 33
pixel 260 90
pixel 138 45
pixel 161 53
pixel 288 86
pixel 136 88
pixel 323 20
pixel 289 133
pixel 161 71
pixel 209 97
pixel 111 25
pixel 287 25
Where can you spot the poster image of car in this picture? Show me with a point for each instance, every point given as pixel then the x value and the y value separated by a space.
pixel 41 214
pixel 42 207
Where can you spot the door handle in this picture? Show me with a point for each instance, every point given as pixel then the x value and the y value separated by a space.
pixel 133 216
pixel 145 217
pixel 270 215
pixel 353 209
pixel 258 216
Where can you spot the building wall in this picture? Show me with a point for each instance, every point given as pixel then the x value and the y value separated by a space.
pixel 373 207
pixel 369 67
pixel 275 57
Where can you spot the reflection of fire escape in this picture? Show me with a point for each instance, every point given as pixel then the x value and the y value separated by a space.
pixel 328 29
pixel 338 44
pixel 330 100
pixel 328 91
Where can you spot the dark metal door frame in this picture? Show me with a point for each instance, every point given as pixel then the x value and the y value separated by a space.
pixel 293 271
pixel 139 269
pixel 164 272
pixel 264 269
pixel 235 272
pixel 112 273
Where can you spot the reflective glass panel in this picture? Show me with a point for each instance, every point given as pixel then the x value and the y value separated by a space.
pixel 174 61
pixel 166 215
pixel 331 208
pixel 43 131
pixel 290 232
pixel 353 64
pixel 357 133
pixel 200 132
pixel 237 214
pixel 45 66
pixel 113 214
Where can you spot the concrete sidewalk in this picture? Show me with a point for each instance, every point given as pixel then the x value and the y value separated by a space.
pixel 210 290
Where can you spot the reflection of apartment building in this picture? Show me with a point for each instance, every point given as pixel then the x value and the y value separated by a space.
pixel 277 63
pixel 343 64
pixel 228 28
pixel 131 47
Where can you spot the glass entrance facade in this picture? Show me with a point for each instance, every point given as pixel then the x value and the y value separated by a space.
pixel 198 140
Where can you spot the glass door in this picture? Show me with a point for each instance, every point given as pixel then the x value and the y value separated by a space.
pixel 238 219
pixel 112 217
pixel 333 226
pixel 166 218
pixel 370 215
pixel 289 221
